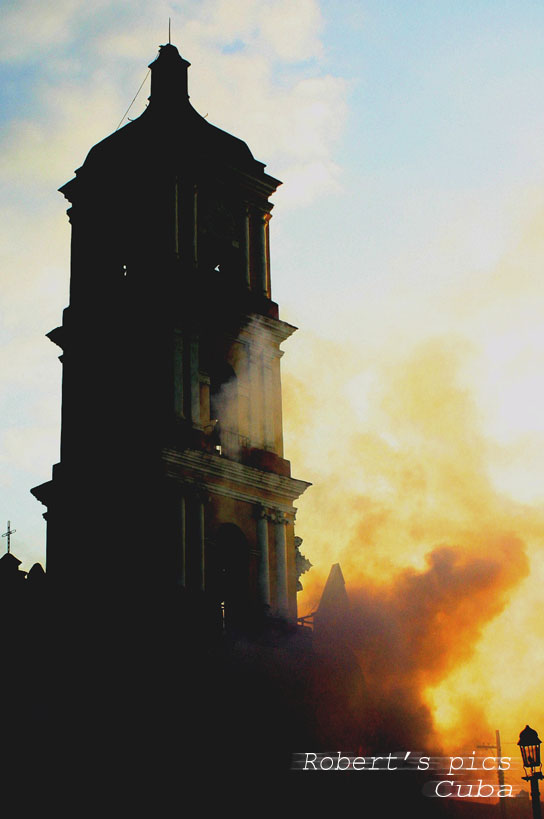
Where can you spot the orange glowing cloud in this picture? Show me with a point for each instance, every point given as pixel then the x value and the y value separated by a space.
pixel 431 552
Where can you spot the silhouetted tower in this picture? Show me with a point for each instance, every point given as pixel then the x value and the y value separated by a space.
pixel 172 472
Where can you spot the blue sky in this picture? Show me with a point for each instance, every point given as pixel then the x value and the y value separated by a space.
pixel 408 136
pixel 406 246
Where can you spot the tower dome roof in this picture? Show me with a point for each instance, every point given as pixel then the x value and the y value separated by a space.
pixel 169 134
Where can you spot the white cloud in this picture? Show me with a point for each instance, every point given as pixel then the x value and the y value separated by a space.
pixel 31 29
pixel 293 29
pixel 261 93
pixel 293 129
pixel 307 182
pixel 254 74
pixel 29 26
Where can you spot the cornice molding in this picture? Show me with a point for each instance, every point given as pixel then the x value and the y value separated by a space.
pixel 277 514
pixel 267 330
pixel 242 478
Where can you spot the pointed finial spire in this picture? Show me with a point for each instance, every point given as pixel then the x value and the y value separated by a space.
pixel 168 78
pixel 169 38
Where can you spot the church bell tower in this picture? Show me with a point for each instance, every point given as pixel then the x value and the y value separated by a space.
pixel 172 477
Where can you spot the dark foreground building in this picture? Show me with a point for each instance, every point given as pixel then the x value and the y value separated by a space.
pixel 172 563
pixel 160 654
pixel 171 397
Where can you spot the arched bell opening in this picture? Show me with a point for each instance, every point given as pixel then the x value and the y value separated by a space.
pixel 228 578
pixel 224 409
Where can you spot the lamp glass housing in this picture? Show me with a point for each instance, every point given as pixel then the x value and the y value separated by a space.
pixel 529 745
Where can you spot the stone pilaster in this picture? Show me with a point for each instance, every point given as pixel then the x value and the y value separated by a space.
pixel 178 375
pixel 176 217
pixel 268 406
pixel 181 561
pixel 261 261
pixel 194 378
pixel 246 249
pixel 282 600
pixel 194 237
pixel 200 498
pixel 256 397
pixel 263 569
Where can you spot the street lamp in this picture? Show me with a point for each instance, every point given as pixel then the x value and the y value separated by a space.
pixel 529 745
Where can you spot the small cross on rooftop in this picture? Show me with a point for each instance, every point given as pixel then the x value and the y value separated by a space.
pixel 8 534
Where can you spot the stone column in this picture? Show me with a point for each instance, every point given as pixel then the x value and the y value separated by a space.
pixel 176 217
pixel 246 249
pixel 282 605
pixel 200 579
pixel 268 406
pixel 259 234
pixel 194 376
pixel 277 404
pixel 204 386
pixel 256 399
pixel 194 232
pixel 263 577
pixel 266 220
pixel 178 375
pixel 182 543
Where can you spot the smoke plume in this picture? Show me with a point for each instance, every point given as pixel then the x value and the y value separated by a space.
pixel 432 554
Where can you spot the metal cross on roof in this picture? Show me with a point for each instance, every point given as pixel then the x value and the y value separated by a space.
pixel 8 534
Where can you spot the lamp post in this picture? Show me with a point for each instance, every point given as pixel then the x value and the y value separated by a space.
pixel 529 745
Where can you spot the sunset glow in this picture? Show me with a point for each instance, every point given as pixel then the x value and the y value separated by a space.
pixel 407 244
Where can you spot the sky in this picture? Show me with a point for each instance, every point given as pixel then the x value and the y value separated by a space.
pixel 407 245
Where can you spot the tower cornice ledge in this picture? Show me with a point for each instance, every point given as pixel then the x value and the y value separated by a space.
pixel 216 470
pixel 267 328
pixel 265 185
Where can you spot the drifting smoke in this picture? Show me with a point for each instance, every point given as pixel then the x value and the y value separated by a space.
pixel 410 633
pixel 430 551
